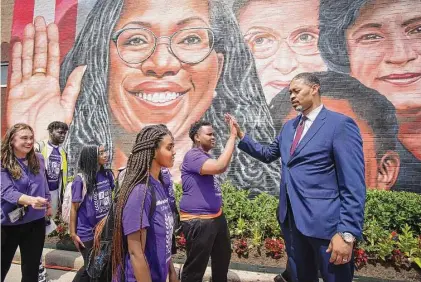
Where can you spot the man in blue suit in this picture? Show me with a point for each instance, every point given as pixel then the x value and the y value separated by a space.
pixel 322 193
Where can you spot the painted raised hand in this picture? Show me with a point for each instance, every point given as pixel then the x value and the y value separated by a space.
pixel 34 97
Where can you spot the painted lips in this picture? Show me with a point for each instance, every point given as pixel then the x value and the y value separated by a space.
pixel 158 93
pixel 401 79
pixel 279 84
pixel 158 97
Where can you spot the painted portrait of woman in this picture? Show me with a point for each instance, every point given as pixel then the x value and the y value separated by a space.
pixel 282 36
pixel 370 41
pixel 144 64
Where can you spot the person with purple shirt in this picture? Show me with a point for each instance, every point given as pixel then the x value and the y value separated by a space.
pixel 55 161
pixel 143 221
pixel 25 201
pixel 56 172
pixel 88 209
pixel 202 221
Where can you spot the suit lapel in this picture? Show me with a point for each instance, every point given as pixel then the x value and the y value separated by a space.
pixel 314 128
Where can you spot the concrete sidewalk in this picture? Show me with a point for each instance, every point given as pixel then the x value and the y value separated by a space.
pixel 53 275
pixel 72 261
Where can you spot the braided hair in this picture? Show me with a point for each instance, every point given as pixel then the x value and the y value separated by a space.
pixel 138 166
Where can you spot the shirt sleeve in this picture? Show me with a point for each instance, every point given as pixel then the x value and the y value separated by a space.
pixel 132 219
pixel 194 161
pixel 110 177
pixel 77 187
pixel 9 192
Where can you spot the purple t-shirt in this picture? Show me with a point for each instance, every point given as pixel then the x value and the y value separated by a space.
pixel 53 168
pixel 201 193
pixel 93 207
pixel 28 184
pixel 159 228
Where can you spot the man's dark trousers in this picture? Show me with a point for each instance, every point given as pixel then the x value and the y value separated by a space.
pixel 307 255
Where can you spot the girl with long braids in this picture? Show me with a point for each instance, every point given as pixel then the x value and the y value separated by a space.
pixel 91 200
pixel 147 233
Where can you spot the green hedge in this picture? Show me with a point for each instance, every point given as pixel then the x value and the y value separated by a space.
pixel 392 226
pixel 390 211
pixel 393 210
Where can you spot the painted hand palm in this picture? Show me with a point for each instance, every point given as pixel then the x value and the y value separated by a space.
pixel 34 97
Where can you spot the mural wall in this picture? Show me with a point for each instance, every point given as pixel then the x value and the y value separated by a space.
pixel 116 66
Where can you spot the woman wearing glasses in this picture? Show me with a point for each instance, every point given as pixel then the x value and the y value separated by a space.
pixel 146 64
pixel 283 39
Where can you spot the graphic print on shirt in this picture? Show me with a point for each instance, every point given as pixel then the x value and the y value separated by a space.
pixel 54 166
pixel 169 226
pixel 102 198
pixel 164 207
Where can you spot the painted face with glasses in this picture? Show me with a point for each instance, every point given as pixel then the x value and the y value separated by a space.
pixel 283 39
pixel 163 68
pixel 190 46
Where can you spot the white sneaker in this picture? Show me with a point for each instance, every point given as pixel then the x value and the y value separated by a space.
pixel 42 274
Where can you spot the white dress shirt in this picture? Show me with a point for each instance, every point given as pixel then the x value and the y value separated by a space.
pixel 311 117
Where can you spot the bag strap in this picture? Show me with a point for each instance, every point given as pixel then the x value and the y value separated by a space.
pixel 119 181
pixel 153 203
pixel 84 188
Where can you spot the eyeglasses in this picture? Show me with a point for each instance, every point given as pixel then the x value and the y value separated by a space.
pixel 264 44
pixel 191 46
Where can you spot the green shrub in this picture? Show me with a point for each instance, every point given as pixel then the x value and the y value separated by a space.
pixel 236 204
pixel 263 211
pixel 392 210
pixel 178 192
pixel 392 225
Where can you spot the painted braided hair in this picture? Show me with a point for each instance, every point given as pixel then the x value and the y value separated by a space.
pixel 238 92
pixel 138 166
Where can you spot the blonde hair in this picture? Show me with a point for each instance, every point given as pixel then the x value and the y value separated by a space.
pixel 8 158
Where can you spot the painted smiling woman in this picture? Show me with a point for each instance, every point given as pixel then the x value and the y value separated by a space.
pixel 135 63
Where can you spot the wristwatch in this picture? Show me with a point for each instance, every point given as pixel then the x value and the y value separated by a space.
pixel 347 237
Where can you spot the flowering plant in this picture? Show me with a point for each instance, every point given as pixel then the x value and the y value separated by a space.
pixel 274 248
pixel 241 248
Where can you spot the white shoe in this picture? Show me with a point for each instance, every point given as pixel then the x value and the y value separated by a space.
pixel 42 274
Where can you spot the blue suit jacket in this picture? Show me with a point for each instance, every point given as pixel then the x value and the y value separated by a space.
pixel 324 178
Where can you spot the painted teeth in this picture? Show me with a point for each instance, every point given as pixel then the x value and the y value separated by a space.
pixel 159 97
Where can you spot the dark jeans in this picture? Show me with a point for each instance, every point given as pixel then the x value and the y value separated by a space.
pixel 204 238
pixel 82 275
pixel 30 239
